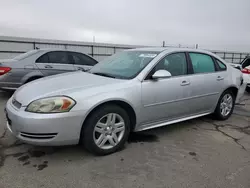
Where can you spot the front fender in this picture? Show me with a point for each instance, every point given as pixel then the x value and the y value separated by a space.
pixel 130 95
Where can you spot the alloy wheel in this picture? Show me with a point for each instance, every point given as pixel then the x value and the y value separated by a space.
pixel 226 105
pixel 109 131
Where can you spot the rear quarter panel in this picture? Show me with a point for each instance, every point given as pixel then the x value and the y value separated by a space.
pixel 22 70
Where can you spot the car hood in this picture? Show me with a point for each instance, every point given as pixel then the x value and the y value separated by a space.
pixel 62 84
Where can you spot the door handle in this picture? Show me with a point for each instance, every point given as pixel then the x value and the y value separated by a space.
pixel 185 83
pixel 220 78
pixel 48 67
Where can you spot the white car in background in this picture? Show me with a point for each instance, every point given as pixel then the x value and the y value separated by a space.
pixel 244 66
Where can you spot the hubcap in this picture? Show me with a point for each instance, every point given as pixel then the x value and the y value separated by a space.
pixel 109 131
pixel 226 105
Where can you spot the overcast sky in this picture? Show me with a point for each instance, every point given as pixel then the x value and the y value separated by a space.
pixel 213 24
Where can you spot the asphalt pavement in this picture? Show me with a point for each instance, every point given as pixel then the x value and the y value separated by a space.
pixel 196 153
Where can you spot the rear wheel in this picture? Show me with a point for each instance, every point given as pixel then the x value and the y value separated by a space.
pixel 106 130
pixel 248 89
pixel 32 79
pixel 225 105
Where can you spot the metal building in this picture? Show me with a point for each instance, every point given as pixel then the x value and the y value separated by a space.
pixel 13 46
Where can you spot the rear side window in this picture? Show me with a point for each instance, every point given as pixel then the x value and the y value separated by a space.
pixel 202 63
pixel 58 57
pixel 221 66
pixel 81 59
pixel 54 57
pixel 43 59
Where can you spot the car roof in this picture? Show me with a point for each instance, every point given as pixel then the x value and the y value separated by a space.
pixel 170 49
pixel 54 49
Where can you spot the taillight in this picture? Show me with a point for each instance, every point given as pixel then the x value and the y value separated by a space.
pixel 245 71
pixel 4 70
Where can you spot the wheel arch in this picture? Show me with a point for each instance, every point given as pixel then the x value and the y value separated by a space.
pixel 121 103
pixel 33 78
pixel 29 76
pixel 232 88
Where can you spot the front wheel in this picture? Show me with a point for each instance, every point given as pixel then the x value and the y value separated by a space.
pixel 106 130
pixel 225 105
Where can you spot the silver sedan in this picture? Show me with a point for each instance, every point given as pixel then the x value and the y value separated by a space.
pixel 134 90
pixel 37 64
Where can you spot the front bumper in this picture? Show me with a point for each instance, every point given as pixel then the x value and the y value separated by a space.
pixel 44 129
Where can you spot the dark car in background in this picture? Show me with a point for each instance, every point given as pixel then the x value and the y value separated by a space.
pixel 39 63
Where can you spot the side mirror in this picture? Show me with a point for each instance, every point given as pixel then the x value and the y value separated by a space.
pixel 161 74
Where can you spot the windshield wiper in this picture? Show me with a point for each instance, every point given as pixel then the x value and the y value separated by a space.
pixel 103 74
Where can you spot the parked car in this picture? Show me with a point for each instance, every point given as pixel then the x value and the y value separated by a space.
pixel 134 90
pixel 40 63
pixel 244 66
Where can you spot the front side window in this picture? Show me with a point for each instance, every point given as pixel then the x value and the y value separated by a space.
pixel 175 63
pixel 202 63
pixel 124 65
pixel 58 57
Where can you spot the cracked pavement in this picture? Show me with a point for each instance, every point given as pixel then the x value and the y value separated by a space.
pixel 197 153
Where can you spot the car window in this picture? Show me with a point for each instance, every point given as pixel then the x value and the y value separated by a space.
pixel 221 65
pixel 175 63
pixel 125 64
pixel 82 59
pixel 58 57
pixel 246 63
pixel 43 59
pixel 202 63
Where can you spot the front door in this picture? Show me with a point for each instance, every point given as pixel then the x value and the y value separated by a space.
pixel 54 62
pixel 166 99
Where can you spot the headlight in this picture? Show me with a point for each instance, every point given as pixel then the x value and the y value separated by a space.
pixel 51 105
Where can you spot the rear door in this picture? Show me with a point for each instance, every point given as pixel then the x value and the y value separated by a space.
pixel 207 82
pixel 82 61
pixel 55 62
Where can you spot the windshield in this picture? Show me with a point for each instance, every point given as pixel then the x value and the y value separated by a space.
pixel 124 65
pixel 24 55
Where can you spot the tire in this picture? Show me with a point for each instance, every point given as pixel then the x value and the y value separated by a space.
pixel 218 114
pixel 248 89
pixel 32 79
pixel 90 137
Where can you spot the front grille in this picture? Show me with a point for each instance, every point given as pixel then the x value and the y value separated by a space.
pixel 38 135
pixel 17 104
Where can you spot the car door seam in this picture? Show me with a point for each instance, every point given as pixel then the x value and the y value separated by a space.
pixel 188 98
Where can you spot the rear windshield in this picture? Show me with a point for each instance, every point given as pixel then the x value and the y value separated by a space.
pixel 25 55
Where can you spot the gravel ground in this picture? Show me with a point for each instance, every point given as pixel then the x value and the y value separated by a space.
pixel 197 153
